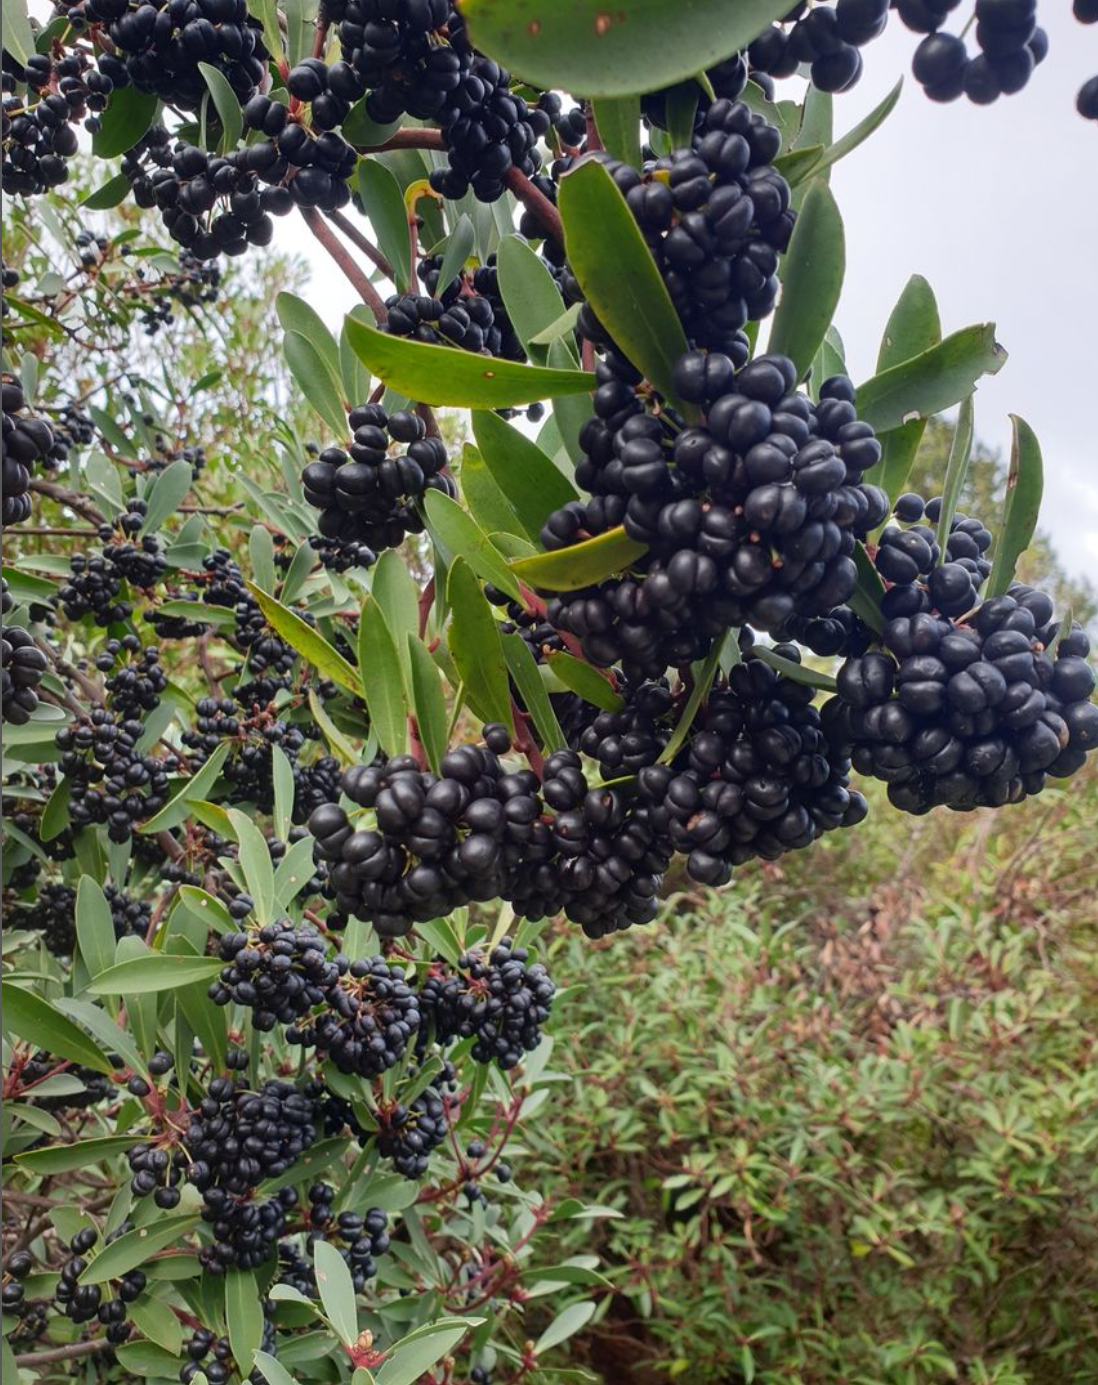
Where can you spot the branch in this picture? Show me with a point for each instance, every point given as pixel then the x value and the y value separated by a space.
pixel 46 1358
pixel 73 499
pixel 338 252
pixel 536 203
pixel 355 236
pixel 406 139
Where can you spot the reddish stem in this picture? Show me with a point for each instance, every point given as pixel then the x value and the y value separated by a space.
pixel 524 741
pixel 338 251
pixel 355 236
pixel 426 601
pixel 536 203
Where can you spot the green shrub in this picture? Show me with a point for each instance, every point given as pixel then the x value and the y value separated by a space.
pixel 852 1140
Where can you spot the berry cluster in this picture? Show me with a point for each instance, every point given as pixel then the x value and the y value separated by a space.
pixel 1010 43
pixel 157 46
pixel 270 660
pixel 26 440
pixel 136 687
pixel 213 1356
pixel 468 312
pixel 95 585
pixel 716 217
pixel 23 665
pixel 53 914
pixel 112 782
pixel 370 1016
pixel 360 1239
pixel 406 1135
pixel 279 972
pixel 967 710
pixel 85 1302
pixel 367 498
pixel 749 516
pixel 249 765
pixel 38 134
pixel 497 1001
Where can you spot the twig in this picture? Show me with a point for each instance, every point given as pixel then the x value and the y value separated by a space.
pixel 338 251
pixel 42 530
pixel 355 236
pixel 47 1358
pixel 536 203
pixel 81 504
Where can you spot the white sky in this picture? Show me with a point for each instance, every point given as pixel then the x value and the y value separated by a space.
pixel 998 207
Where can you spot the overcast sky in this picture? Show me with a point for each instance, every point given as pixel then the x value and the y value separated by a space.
pixel 998 207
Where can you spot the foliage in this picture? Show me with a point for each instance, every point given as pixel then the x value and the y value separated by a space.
pixel 849 1125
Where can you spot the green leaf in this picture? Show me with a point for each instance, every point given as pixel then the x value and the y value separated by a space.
pixel 156 971
pixel 617 274
pixel 128 116
pixel 528 478
pixel 459 246
pixel 935 380
pixel 444 375
pixel 337 1292
pixel 80 1155
pixel 298 316
pixel 266 11
pixel 337 741
pixel 358 129
pixel 282 773
pixel 566 1325
pixel 812 279
pixel 618 120
pixel 298 31
pixel 475 646
pixel 94 927
pixel 682 110
pixel 356 378
pixel 861 132
pixel 55 815
pixel 960 452
pixel 148 1359
pixel 18 34
pixel 227 105
pixel 30 1017
pixel 156 1321
pixel 110 1036
pixel 913 325
pixel 796 673
pixel 586 680
pixel 262 555
pixel 244 1316
pixel 428 701
pixel 487 504
pixel 198 786
pixel 274 1372
pixel 168 492
pixel 529 292
pixel 524 670
pixel 1025 483
pixel 383 202
pixel 293 872
pixel 866 601
pixel 636 46
pixel 309 369
pixel 382 679
pixel 113 192
pixel 569 569
pixel 703 681
pixel 308 641
pixel 414 1355
pixel 206 906
pixel 255 862
pixel 459 532
pixel 135 1247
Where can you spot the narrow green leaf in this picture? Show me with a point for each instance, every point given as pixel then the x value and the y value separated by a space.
pixel 588 48
pixel 357 380
pixel 294 872
pixel 529 292
pixel 528 478
pixel 462 535
pixel 1025 484
pixel 156 971
pixel 618 119
pixel 682 110
pixel 337 1292
pixel 55 815
pixel 255 862
pixel 80 1155
pixel 586 680
pixel 569 569
pixel 197 786
pixel 913 326
pixel 18 34
pixel 796 673
pixel 459 246
pixel 298 316
pixel 262 554
pixel 812 279
pixel 703 681
pixel 861 132
pixel 395 591
pixel 414 1355
pixel 428 701
pixel 94 927
pixel 866 601
pixel 156 1321
pixel 960 453
pixel 168 493
pixel 618 275
pixel 152 1361
pixel 113 192
pixel 244 1316
pixel 444 375
pixel 266 11
pixel 487 503
pixel 308 641
pixel 383 203
pixel 532 694
pixel 382 679
pixel 128 116
pixel 337 741
pixel 227 106
pixel 310 371
pixel 935 380
pixel 30 1017
pixel 206 906
pixel 135 1247
pixel 566 1325
pixel 475 646
pixel 111 1038
pixel 273 1370
pixel 282 773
